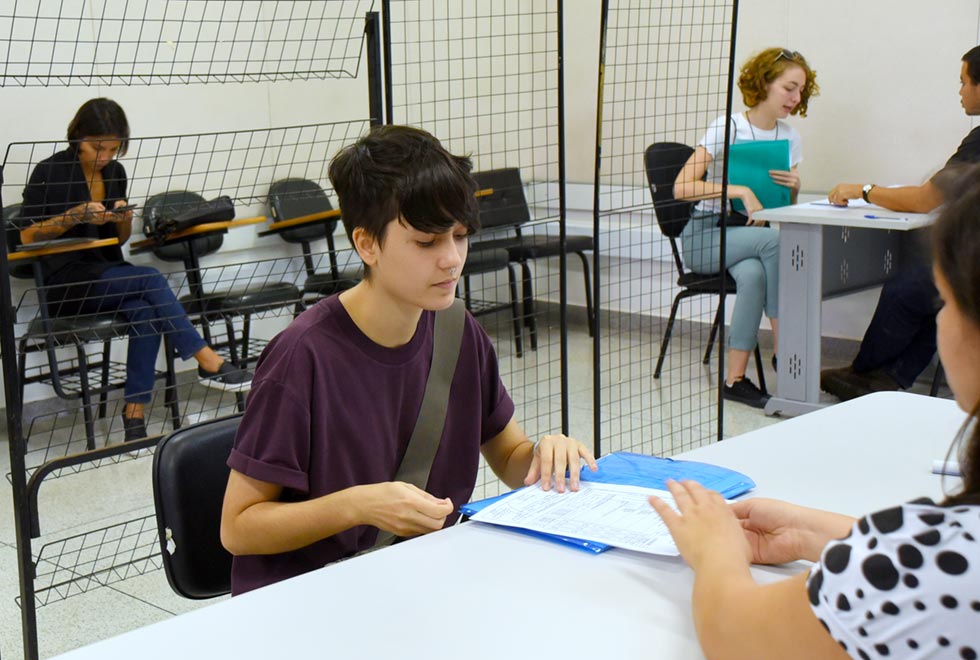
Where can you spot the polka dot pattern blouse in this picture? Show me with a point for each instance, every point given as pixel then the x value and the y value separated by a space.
pixel 905 583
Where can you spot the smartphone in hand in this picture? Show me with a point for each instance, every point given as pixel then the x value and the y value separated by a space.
pixel 123 209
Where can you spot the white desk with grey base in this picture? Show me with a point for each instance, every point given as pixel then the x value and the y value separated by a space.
pixel 485 593
pixel 801 290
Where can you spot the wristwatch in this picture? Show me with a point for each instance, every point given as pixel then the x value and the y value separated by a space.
pixel 866 190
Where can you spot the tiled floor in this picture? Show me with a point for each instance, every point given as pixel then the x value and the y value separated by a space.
pixel 119 492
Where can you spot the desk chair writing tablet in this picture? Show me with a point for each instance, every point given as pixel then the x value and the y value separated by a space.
pixel 206 305
pixel 504 219
pixel 291 199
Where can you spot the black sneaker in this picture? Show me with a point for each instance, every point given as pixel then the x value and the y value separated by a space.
pixel 744 391
pixel 134 428
pixel 227 377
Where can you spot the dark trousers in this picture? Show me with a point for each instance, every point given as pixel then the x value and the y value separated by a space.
pixel 143 296
pixel 901 339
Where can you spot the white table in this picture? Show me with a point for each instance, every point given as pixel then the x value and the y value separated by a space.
pixel 801 291
pixel 476 591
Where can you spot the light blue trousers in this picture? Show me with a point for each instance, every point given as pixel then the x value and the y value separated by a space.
pixel 752 258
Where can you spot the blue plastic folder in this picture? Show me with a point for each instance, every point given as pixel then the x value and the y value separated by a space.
pixel 749 164
pixel 629 469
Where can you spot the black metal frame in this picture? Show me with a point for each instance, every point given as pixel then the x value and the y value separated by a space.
pixel 25 481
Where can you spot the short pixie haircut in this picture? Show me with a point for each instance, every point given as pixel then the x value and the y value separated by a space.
pixel 763 68
pixel 403 172
pixel 97 118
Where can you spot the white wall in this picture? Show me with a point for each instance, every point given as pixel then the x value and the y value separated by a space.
pixel 888 70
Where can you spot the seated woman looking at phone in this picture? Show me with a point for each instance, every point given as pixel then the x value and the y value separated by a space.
pixel 81 193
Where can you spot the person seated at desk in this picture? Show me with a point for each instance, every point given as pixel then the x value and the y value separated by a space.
pixel 902 582
pixel 775 84
pixel 72 194
pixel 336 395
pixel 900 342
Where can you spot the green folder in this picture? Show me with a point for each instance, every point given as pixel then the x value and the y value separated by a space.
pixel 749 164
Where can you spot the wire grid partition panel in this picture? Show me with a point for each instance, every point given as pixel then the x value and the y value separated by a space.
pixel 176 42
pixel 665 78
pixel 483 77
pixel 170 178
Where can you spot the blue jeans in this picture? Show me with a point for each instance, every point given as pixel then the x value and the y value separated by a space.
pixel 752 258
pixel 143 296
pixel 901 339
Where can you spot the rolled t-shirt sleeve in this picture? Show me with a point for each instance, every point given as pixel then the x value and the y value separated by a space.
pixel 273 441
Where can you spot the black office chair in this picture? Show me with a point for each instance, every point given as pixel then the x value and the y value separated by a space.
pixel 503 213
pixel 483 262
pixel 294 198
pixel 664 161
pixel 58 325
pixel 189 478
pixel 206 306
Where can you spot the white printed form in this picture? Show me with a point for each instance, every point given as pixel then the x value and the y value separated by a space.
pixel 619 516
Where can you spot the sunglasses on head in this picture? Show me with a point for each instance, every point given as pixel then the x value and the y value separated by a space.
pixel 790 55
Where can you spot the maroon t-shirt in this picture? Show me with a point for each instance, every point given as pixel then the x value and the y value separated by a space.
pixel 330 409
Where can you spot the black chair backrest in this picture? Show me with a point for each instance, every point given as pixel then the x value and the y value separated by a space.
pixel 189 479
pixel 12 227
pixel 294 198
pixel 664 161
pixel 506 206
pixel 171 204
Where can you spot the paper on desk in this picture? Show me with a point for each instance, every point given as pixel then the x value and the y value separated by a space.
pixel 613 514
pixel 851 203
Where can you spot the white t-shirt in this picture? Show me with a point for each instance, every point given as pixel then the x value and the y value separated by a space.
pixel 905 583
pixel 714 143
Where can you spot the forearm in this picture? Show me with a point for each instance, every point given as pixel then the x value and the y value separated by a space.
pixel 48 229
pixel 697 190
pixel 818 528
pixel 125 229
pixel 737 619
pixel 908 199
pixel 516 465
pixel 722 589
pixel 274 527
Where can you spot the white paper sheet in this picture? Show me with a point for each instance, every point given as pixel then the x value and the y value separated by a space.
pixel 616 515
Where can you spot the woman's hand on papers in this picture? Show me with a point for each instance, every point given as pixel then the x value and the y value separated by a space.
pixel 705 525
pixel 553 455
pixel 845 191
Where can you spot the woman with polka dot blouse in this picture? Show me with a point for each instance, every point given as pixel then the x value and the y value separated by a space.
pixel 898 583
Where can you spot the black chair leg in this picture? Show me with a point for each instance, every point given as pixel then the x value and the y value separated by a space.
pixel 667 331
pixel 104 393
pixel 587 276
pixel 89 421
pixel 712 335
pixel 170 385
pixel 514 313
pixel 528 304
pixel 758 370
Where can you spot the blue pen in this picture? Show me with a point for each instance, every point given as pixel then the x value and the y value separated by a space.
pixel 884 217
